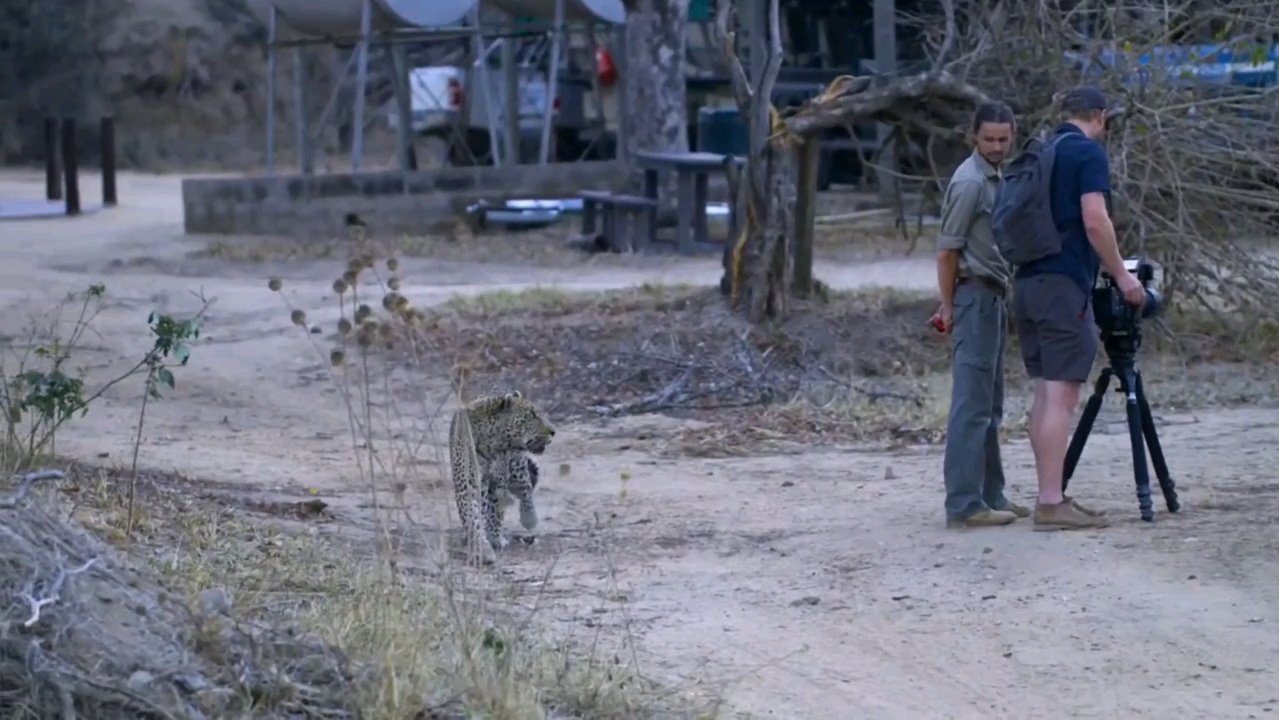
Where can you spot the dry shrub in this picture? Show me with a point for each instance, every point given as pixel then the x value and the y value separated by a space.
pixel 676 349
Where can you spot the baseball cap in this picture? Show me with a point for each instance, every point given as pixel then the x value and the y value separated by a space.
pixel 1086 98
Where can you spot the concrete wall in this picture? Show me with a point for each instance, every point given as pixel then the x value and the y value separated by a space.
pixel 388 202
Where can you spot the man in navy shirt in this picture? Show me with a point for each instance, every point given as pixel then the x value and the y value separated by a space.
pixel 1053 301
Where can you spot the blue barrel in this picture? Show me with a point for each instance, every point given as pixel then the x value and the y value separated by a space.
pixel 722 130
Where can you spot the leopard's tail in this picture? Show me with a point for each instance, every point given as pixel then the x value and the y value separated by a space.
pixel 467 487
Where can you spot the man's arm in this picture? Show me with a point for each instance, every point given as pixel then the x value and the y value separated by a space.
pixel 1094 183
pixel 960 207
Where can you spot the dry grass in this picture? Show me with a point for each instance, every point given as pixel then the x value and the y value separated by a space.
pixel 418 644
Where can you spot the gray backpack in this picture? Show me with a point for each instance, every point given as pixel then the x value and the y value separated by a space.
pixel 1022 219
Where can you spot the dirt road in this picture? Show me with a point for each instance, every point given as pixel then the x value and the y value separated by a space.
pixel 808 586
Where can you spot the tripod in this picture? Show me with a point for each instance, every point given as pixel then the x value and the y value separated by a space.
pixel 1121 350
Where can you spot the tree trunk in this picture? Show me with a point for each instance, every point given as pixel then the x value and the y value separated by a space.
pixel 656 108
pixel 758 263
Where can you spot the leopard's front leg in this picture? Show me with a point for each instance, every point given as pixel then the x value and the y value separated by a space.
pixel 524 473
pixel 493 519
pixel 470 507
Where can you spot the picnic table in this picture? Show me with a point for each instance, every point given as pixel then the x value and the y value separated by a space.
pixel 692 171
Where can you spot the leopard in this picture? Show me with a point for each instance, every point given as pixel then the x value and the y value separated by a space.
pixel 490 441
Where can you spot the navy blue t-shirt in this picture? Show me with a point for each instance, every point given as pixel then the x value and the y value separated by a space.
pixel 1082 167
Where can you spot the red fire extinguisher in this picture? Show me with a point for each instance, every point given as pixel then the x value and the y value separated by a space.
pixel 605 67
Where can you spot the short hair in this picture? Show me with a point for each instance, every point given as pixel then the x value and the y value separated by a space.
pixel 1084 102
pixel 993 112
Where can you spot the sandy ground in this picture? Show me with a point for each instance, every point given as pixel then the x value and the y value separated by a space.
pixel 816 585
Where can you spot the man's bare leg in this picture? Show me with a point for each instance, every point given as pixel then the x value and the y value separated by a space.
pixel 1050 417
pixel 1054 406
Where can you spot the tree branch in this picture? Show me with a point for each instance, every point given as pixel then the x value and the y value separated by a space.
pixel 55 591
pixel 727 40
pixel 892 104
pixel 24 487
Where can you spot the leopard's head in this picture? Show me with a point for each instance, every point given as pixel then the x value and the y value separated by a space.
pixel 510 422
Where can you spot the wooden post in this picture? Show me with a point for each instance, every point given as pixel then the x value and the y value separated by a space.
pixel 70 169
pixel 885 22
pixel 52 172
pixel 107 135
pixel 810 156
pixel 306 163
pixel 510 96
pixel 270 89
pixel 403 107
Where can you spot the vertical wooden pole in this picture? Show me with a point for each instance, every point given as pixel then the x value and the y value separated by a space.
pixel 558 39
pixel 511 95
pixel 69 165
pixel 810 156
pixel 270 89
pixel 885 21
pixel 52 171
pixel 361 86
pixel 403 107
pixel 107 135
pixel 306 162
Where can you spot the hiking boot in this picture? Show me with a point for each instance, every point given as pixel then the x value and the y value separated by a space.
pixel 1081 508
pixel 982 518
pixel 1066 516
pixel 1020 511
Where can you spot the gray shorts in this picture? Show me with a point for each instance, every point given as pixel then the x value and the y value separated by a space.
pixel 1055 327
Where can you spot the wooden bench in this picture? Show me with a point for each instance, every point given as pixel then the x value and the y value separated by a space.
pixel 625 220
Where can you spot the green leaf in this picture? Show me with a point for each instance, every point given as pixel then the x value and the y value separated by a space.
pixel 164 376
pixel 182 353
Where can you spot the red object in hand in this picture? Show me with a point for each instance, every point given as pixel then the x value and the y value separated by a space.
pixel 937 324
pixel 605 67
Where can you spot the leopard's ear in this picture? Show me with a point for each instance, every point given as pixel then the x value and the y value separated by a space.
pixel 490 405
pixel 514 395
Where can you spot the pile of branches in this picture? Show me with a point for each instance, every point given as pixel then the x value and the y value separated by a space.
pixel 687 356
pixel 84 635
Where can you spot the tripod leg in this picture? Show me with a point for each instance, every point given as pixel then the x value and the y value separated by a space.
pixel 1128 383
pixel 1156 450
pixel 1085 426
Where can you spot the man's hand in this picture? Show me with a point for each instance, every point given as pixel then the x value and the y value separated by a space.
pixel 1133 292
pixel 943 319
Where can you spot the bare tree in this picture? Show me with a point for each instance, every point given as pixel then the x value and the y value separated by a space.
pixel 933 105
pixel 759 266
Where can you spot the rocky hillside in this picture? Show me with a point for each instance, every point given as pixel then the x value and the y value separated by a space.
pixel 184 78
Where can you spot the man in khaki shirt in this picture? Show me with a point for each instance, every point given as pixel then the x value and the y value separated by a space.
pixel 974 279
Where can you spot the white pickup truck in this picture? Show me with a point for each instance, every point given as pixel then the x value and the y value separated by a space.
pixel 440 94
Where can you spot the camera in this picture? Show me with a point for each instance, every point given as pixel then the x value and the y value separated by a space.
pixel 1119 321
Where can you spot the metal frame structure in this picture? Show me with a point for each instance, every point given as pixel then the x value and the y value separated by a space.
pixel 393 43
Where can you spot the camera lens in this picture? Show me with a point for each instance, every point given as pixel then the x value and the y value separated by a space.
pixel 1154 304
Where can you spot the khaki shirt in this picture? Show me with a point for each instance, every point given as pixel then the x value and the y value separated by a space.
pixel 965 221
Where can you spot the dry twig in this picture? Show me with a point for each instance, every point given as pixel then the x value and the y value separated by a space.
pixel 24 487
